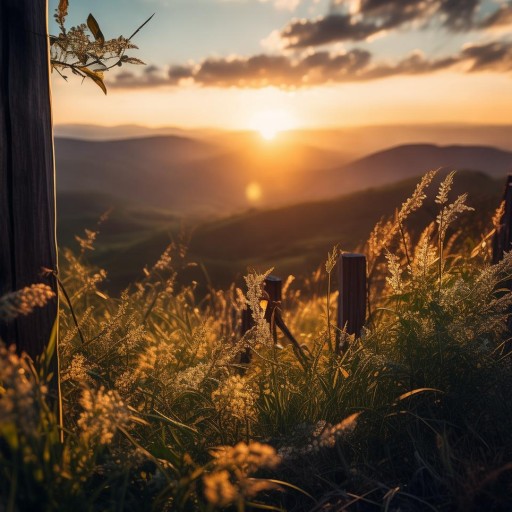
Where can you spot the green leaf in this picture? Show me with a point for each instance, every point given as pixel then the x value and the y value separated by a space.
pixel 95 29
pixel 95 77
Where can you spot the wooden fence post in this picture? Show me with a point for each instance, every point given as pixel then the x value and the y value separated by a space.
pixel 502 240
pixel 27 181
pixel 352 295
pixel 272 294
pixel 273 291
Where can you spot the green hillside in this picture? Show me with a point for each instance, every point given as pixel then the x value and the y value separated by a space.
pixel 292 239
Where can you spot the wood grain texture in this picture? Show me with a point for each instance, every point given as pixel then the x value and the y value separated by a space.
pixel 352 293
pixel 27 182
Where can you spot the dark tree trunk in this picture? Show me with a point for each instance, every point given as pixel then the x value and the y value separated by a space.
pixel 27 180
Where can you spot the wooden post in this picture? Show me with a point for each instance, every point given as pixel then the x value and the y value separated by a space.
pixel 27 181
pixel 247 325
pixel 502 240
pixel 274 296
pixel 352 294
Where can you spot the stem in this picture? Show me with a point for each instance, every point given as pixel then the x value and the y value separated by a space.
pixel 440 248
pixel 402 233
pixel 329 311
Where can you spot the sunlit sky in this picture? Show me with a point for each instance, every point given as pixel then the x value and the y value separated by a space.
pixel 244 64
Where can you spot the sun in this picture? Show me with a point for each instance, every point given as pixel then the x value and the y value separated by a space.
pixel 269 123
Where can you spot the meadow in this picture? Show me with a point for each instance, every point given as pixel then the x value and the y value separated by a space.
pixel 161 414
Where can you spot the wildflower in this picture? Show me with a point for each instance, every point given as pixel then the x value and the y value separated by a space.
pixel 233 466
pixel 191 378
pixel 246 458
pixel 450 213
pixel 87 243
pixel 20 396
pixel 414 202
pixel 324 435
pixel 255 284
pixel 332 258
pixel 146 362
pixel 165 260
pixel 395 278
pixel 24 301
pixel 218 488
pixel 77 370
pixel 235 398
pixel 103 413
pixel 444 189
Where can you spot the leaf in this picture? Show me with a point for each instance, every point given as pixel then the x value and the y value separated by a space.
pixel 133 60
pixel 95 77
pixel 95 29
pixel 63 9
pixel 416 391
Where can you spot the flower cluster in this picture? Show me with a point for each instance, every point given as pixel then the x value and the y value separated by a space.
pixel 103 413
pixel 235 398
pixel 24 301
pixel 233 466
pixel 18 392
pixel 324 435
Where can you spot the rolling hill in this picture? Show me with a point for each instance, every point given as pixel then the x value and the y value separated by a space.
pixel 293 239
pixel 402 162
pixel 188 176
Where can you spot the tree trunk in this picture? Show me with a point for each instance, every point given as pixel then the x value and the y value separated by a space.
pixel 27 178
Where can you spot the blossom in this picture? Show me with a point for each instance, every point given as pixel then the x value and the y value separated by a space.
pixel 235 398
pixel 24 301
pixel 103 413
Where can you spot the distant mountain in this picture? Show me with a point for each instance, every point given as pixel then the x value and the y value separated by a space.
pixel 187 175
pixel 354 141
pixel 117 132
pixel 403 162
pixel 212 176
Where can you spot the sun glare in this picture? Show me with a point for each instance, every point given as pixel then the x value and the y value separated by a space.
pixel 253 192
pixel 269 123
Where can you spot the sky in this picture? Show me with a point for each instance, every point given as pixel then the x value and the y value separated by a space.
pixel 281 64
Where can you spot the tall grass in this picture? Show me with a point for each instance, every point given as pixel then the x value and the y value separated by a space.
pixel 161 415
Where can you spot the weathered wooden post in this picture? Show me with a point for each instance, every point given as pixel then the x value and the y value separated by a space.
pixel 27 181
pixel 352 295
pixel 273 296
pixel 502 240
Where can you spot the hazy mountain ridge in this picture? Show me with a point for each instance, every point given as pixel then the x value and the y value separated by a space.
pixel 407 161
pixel 188 176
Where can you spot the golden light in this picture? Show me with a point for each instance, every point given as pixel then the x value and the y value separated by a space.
pixel 271 122
pixel 253 192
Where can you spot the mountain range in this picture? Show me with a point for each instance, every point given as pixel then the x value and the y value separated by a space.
pixel 198 178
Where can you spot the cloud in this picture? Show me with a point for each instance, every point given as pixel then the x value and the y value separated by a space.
pixel 500 18
pixel 320 68
pixel 367 18
pixel 152 76
pixel 289 5
pixel 494 56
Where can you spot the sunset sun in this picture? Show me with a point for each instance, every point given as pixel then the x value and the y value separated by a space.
pixel 269 123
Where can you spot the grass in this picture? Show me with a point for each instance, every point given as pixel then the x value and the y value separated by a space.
pixel 161 415
pixel 290 239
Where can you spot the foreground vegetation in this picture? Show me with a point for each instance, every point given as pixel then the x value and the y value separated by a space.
pixel 159 413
